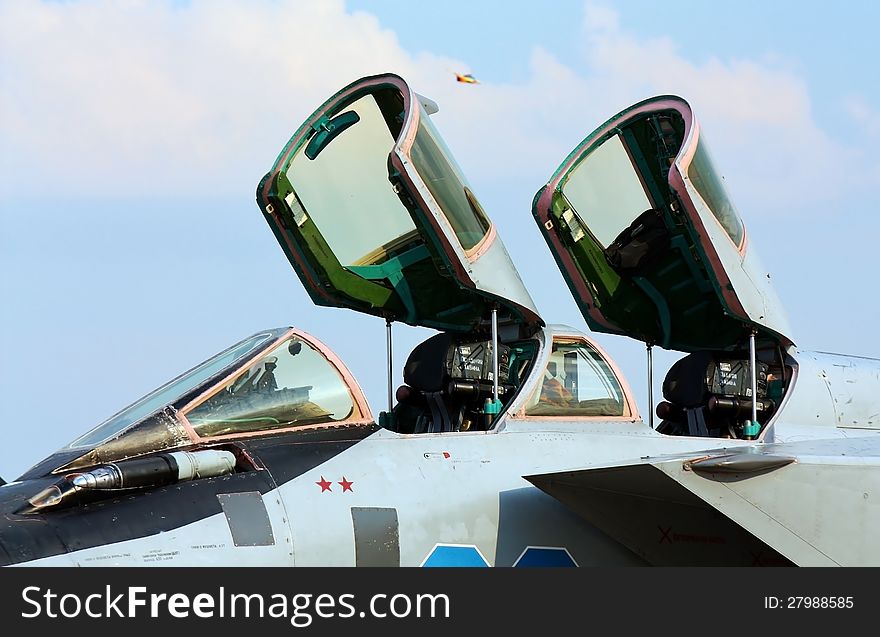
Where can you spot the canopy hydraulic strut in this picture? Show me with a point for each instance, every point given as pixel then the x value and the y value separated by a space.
pixel 390 363
pixel 650 349
pixel 752 428
pixel 492 407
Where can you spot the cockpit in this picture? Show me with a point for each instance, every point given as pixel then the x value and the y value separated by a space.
pixel 449 383
pixel 291 385
pixel 277 380
pixel 709 393
pixel 641 224
pixel 578 382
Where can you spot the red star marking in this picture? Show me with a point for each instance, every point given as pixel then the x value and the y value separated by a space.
pixel 324 484
pixel 346 485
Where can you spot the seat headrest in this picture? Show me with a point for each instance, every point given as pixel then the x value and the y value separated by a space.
pixel 425 367
pixel 685 382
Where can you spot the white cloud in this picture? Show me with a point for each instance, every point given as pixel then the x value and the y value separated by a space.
pixel 101 96
pixel 168 99
pixel 863 115
pixel 148 96
pixel 756 114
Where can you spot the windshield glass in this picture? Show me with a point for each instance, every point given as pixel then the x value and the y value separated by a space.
pixel 705 179
pixel 346 192
pixel 171 391
pixel 448 186
pixel 605 191
pixel 577 382
pixel 292 385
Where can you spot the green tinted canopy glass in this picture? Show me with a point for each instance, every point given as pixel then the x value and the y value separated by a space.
pixel 644 231
pixel 375 215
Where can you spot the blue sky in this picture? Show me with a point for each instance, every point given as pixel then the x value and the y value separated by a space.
pixel 133 135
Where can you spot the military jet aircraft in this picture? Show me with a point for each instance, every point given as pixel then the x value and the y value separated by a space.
pixel 268 453
pixel 652 247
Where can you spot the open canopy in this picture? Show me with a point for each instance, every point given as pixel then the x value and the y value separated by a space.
pixel 644 232
pixel 374 214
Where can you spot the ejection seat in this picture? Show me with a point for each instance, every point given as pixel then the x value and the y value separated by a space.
pixel 707 395
pixel 448 386
pixel 425 404
pixel 684 388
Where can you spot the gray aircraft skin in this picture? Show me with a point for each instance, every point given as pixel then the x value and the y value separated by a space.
pixel 269 455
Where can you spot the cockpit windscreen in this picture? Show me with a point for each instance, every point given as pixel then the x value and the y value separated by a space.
pixel 171 391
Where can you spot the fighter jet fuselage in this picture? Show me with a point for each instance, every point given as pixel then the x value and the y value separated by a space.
pixel 510 442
